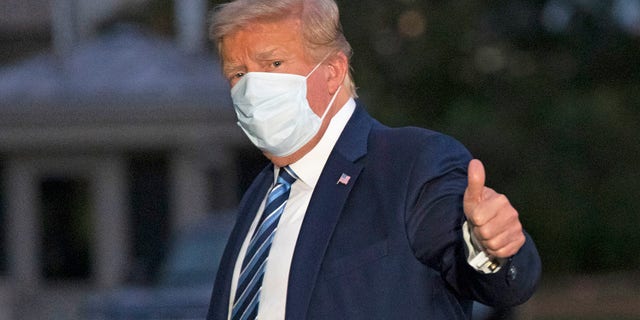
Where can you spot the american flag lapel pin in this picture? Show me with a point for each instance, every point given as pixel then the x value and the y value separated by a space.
pixel 344 179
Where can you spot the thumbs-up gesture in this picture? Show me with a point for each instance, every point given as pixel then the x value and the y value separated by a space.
pixel 494 222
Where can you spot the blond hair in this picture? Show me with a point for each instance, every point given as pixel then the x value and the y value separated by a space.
pixel 321 28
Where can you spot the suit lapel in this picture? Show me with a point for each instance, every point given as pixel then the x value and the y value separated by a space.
pixel 247 211
pixel 325 207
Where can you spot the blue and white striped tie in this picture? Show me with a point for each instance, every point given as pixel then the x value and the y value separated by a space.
pixel 247 296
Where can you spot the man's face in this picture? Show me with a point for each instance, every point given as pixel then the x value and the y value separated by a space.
pixel 274 46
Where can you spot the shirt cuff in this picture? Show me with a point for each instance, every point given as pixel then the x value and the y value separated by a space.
pixel 477 258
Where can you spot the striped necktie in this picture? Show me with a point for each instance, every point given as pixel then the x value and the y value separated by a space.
pixel 247 296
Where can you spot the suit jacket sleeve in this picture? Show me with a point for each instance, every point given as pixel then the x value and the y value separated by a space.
pixel 434 219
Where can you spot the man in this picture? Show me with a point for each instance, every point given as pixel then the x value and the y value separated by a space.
pixel 352 220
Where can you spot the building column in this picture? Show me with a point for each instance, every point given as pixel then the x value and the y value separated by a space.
pixel 189 200
pixel 191 24
pixel 23 227
pixel 112 250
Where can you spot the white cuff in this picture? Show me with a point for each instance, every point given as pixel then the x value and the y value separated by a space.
pixel 476 256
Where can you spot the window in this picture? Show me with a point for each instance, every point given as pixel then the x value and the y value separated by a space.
pixel 149 193
pixel 66 228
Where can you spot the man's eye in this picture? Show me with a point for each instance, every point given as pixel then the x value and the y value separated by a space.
pixel 277 63
pixel 238 75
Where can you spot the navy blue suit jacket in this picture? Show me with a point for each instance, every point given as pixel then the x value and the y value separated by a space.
pixel 388 244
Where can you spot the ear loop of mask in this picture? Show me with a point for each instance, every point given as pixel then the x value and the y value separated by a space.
pixel 318 65
pixel 335 95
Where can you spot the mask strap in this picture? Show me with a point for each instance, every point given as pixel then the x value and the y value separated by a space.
pixel 335 95
pixel 318 65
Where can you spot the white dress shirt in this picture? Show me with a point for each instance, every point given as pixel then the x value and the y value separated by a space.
pixel 273 296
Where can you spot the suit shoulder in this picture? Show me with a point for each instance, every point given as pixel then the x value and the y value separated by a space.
pixel 414 139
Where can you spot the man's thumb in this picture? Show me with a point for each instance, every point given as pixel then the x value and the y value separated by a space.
pixel 476 177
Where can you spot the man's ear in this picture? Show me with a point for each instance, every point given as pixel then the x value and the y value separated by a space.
pixel 338 67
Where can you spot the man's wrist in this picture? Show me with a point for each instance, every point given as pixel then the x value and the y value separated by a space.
pixel 477 258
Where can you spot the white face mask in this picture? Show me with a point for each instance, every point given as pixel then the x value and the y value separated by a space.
pixel 273 111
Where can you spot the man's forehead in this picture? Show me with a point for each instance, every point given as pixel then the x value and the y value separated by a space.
pixel 260 41
pixel 240 51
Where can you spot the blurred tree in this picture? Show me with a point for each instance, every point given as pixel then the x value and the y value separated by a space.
pixel 545 92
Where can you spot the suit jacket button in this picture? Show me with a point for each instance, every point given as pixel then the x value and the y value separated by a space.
pixel 512 273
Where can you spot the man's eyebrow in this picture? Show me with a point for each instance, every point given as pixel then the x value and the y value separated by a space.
pixel 268 54
pixel 231 66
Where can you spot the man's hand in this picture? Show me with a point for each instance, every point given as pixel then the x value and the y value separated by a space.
pixel 493 220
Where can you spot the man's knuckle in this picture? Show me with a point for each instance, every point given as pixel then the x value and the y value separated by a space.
pixel 502 199
pixel 483 233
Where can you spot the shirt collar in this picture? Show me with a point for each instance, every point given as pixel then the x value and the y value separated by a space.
pixel 310 166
